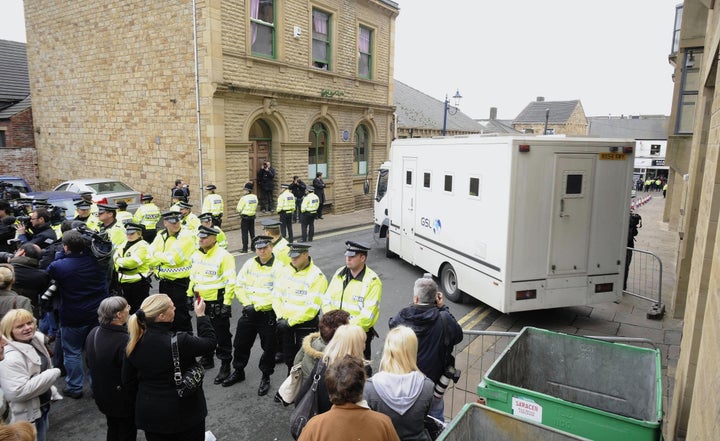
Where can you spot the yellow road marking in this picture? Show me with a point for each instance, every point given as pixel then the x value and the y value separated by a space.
pixel 470 315
pixel 480 318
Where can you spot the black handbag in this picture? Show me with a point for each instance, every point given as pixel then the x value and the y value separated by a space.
pixel 188 382
pixel 307 406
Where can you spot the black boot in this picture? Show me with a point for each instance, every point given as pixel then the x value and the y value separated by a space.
pixel 207 361
pixel 237 376
pixel 224 372
pixel 264 385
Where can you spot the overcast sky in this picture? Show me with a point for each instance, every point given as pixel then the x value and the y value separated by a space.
pixel 611 55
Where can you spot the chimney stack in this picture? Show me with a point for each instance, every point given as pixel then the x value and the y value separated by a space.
pixel 540 99
pixel 493 113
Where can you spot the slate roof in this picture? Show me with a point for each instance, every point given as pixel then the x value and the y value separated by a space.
pixel 635 127
pixel 14 109
pixel 534 113
pixel 498 126
pixel 417 110
pixel 14 80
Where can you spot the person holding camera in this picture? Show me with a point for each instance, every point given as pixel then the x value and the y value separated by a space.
pixel 266 183
pixel 437 332
pixel 42 233
pixel 212 278
pixel 635 223
pixel 148 370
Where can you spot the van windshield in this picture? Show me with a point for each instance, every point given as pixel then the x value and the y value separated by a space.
pixel 382 183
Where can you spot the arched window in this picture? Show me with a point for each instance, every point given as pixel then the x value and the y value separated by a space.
pixel 318 151
pixel 361 152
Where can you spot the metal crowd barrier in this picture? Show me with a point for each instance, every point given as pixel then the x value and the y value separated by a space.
pixel 645 281
pixel 479 350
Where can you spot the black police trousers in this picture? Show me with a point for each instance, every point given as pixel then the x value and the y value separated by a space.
pixel 307 224
pixel 221 324
pixel 247 228
pixel 177 291
pixel 248 327
pixel 135 293
pixel 293 337
pixel 286 225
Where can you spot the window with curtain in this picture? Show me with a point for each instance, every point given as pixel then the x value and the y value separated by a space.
pixel 365 52
pixel 321 39
pixel 689 90
pixel 361 151
pixel 262 27
pixel 318 151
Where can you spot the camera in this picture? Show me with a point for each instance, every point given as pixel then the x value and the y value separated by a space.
pixel 450 374
pixel 25 221
pixel 49 293
pixel 635 220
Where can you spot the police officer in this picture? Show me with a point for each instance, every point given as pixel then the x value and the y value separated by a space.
pixel 213 203
pixel 298 294
pixel 171 251
pixel 271 227
pixel 212 277
pixel 187 218
pixel 82 214
pixel 147 214
pixel 110 225
pixel 87 196
pixel 132 264
pixel 286 207
pixel 298 189
pixel 309 209
pixel 356 289
pixel 246 208
pixel 123 216
pixel 207 220
pixel 254 291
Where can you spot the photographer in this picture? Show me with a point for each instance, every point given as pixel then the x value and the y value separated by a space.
pixel 634 224
pixel 7 227
pixel 266 183
pixel 42 233
pixel 437 332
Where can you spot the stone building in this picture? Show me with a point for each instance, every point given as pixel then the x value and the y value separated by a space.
pixel 18 156
pixel 306 85
pixel 692 209
pixel 558 117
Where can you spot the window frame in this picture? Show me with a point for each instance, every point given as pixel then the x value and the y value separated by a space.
pixel 328 42
pixel 692 61
pixel 357 147
pixel 445 182
pixel 273 30
pixel 315 130
pixel 369 53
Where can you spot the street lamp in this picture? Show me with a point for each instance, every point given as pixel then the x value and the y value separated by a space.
pixel 547 115
pixel 451 110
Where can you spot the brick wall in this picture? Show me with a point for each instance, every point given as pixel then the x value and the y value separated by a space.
pixel 19 157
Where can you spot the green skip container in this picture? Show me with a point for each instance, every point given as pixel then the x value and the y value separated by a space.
pixel 476 422
pixel 592 388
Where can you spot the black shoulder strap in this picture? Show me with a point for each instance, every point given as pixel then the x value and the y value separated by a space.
pixel 176 360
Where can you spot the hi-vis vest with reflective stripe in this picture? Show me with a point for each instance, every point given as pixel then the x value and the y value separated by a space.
pixel 360 299
pixel 213 203
pixel 298 295
pixel 115 232
pixel 247 205
pixel 286 201
pixel 148 215
pixel 310 203
pixel 254 283
pixel 281 249
pixel 133 263
pixel 211 272
pixel 171 254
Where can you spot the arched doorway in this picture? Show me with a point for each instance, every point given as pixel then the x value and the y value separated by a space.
pixel 260 143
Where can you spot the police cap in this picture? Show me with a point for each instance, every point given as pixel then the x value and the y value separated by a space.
pixel 204 231
pixel 86 193
pixel 185 205
pixel 83 205
pixel 205 216
pixel 262 241
pixel 102 208
pixel 353 248
pixel 270 224
pixel 310 188
pixel 132 227
pixel 122 204
pixel 284 185
pixel 146 197
pixel 248 186
pixel 210 187
pixel 296 249
pixel 171 216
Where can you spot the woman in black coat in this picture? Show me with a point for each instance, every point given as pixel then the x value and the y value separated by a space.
pixel 105 350
pixel 148 367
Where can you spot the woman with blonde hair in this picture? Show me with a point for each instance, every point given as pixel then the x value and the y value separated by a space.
pixel 399 389
pixel 26 372
pixel 9 299
pixel 148 370
pixel 348 340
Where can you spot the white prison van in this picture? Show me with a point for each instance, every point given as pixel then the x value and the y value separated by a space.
pixel 518 222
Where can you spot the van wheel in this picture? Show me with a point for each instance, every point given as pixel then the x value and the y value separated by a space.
pixel 449 284
pixel 389 254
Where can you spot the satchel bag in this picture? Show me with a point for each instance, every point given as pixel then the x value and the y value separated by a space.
pixel 289 388
pixel 188 382
pixel 308 405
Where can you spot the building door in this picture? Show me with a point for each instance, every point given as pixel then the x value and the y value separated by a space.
pixel 259 152
pixel 570 224
pixel 407 223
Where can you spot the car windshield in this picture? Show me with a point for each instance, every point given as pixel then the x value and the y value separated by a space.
pixel 109 187
pixel 18 184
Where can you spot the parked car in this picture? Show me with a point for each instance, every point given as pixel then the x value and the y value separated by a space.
pixel 105 191
pixel 18 182
pixel 64 199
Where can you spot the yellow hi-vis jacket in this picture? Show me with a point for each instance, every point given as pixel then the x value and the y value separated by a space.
pixel 124 217
pixel 213 203
pixel 281 250
pixel 91 222
pixel 254 283
pixel 148 215
pixel 298 295
pixel 247 206
pixel 360 298
pixel 285 202
pixel 171 254
pixel 310 203
pixel 132 263
pixel 211 272
pixel 115 232
pixel 191 222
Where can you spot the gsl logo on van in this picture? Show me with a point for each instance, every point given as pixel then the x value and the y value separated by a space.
pixel 434 225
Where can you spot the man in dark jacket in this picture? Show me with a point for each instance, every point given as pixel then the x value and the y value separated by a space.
pixel 30 280
pixel 437 332
pixel 266 183
pixel 42 233
pixel 82 284
pixel 298 190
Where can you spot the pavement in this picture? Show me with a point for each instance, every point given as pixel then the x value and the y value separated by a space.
pixel 628 318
